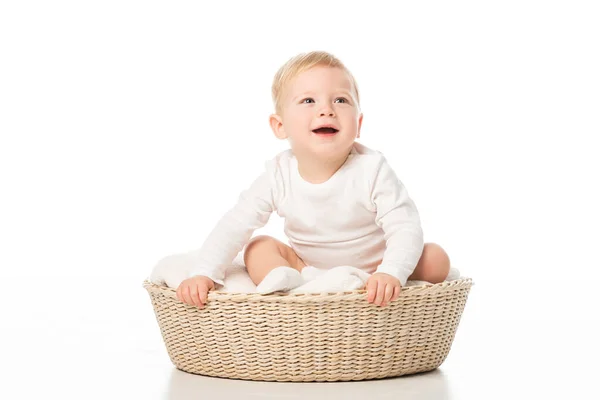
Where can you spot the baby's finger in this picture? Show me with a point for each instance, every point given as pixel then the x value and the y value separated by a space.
pixel 380 293
pixel 396 294
pixel 186 295
pixel 389 291
pixel 194 295
pixel 178 293
pixel 203 296
pixel 371 290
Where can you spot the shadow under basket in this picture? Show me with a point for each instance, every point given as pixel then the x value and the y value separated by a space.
pixel 311 337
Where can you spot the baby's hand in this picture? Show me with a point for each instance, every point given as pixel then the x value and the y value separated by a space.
pixel 194 291
pixel 382 288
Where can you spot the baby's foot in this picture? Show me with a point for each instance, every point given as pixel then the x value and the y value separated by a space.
pixel 337 279
pixel 280 279
pixel 453 274
pixel 309 273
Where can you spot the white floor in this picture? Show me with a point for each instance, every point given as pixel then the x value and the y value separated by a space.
pixel 99 339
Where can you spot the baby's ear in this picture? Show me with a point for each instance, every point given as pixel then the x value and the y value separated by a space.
pixel 277 125
pixel 359 124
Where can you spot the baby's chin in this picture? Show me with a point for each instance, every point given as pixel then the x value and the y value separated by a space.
pixel 327 149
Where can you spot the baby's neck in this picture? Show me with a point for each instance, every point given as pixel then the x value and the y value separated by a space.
pixel 318 171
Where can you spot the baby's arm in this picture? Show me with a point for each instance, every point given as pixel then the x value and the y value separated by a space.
pixel 235 228
pixel 397 215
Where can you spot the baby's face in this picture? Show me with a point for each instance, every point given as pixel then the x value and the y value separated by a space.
pixel 321 96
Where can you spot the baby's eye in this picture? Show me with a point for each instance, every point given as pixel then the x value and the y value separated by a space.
pixel 342 98
pixel 308 98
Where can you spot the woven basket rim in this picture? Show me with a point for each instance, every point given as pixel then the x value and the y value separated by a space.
pixel 215 295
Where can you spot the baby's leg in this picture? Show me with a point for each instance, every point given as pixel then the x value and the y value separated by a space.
pixel 264 254
pixel 433 266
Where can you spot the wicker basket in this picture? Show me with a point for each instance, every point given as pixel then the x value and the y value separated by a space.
pixel 321 337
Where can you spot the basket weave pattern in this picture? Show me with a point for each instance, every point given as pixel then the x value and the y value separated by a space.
pixel 304 337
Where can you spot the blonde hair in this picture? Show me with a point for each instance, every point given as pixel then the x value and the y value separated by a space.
pixel 303 62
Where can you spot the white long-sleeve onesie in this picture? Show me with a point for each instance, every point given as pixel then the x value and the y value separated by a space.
pixel 362 216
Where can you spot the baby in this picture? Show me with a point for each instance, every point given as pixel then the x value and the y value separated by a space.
pixel 341 202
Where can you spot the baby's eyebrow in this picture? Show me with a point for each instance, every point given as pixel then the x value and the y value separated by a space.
pixel 347 93
pixel 342 91
pixel 303 94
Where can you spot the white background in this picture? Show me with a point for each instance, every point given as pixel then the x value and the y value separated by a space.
pixel 129 128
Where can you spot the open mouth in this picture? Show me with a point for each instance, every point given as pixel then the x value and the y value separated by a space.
pixel 325 131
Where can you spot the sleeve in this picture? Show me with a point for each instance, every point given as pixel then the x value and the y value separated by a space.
pixel 399 219
pixel 233 231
